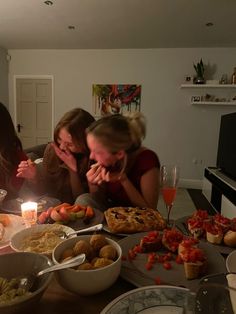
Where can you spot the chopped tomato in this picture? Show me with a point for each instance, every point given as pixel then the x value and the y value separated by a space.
pixel 148 266
pixel 178 260
pixel 167 265
pixel 157 280
pixel 131 255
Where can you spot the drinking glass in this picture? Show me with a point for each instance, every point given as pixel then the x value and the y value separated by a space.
pixel 216 294
pixel 169 181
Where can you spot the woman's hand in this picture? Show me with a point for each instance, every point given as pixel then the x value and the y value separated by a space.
pixel 95 174
pixel 26 169
pixel 66 156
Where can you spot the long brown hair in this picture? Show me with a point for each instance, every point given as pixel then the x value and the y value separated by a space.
pixel 10 145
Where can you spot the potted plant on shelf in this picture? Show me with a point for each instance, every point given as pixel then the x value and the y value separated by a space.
pixel 199 68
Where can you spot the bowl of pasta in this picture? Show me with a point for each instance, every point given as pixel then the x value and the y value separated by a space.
pixel 14 299
pixel 40 239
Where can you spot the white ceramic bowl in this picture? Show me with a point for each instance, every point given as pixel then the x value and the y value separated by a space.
pixel 18 238
pixel 231 262
pixel 86 282
pixel 13 265
pixel 3 194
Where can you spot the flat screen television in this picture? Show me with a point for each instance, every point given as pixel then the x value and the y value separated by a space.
pixel 226 155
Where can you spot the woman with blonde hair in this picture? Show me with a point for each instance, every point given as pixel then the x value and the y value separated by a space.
pixel 126 173
pixel 65 162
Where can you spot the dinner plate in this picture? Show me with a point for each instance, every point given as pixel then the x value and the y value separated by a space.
pixel 16 224
pixel 14 206
pixel 80 224
pixel 135 272
pixel 106 228
pixel 152 299
pixel 231 262
pixel 181 224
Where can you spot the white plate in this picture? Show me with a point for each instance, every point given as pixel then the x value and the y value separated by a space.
pixel 16 224
pixel 231 262
pixel 135 272
pixel 150 300
pixel 18 239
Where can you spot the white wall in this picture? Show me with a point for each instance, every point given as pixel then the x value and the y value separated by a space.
pixel 3 77
pixel 177 131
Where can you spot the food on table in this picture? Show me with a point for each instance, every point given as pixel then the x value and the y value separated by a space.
pixel 9 290
pixel 101 257
pixel 83 246
pixel 222 222
pixel 108 251
pixel 5 220
pixel 98 241
pixel 171 239
pixel 133 219
pixel 102 262
pixel 230 238
pixel 165 252
pixel 195 263
pixel 65 212
pixel 214 233
pixel 151 242
pixel 217 229
pixel 196 227
pixel 42 242
pixel 187 243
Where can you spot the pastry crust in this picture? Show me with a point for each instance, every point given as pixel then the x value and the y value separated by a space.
pixel 133 219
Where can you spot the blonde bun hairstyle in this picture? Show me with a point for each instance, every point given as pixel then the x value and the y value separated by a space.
pixel 120 132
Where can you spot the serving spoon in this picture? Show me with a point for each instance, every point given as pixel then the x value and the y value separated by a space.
pixel 28 281
pixel 64 235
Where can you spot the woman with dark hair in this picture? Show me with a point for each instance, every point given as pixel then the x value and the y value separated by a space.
pixel 65 162
pixel 11 154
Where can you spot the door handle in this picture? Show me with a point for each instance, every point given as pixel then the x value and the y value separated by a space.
pixel 19 127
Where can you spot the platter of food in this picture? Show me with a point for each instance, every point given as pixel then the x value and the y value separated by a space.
pixel 131 220
pixel 163 266
pixel 216 230
pixel 9 225
pixel 14 206
pixel 152 299
pixel 75 216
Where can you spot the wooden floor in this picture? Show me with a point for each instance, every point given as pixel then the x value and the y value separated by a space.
pixel 200 201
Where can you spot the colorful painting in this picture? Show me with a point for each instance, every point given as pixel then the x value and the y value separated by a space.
pixel 119 98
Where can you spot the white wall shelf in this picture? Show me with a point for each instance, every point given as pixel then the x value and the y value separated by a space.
pixel 214 103
pixel 228 90
pixel 201 86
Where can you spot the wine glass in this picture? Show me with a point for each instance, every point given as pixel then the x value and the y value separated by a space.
pixel 169 181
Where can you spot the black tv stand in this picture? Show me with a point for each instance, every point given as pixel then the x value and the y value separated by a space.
pixel 220 190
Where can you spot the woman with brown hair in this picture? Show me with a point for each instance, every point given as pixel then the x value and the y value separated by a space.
pixel 126 172
pixel 65 162
pixel 11 154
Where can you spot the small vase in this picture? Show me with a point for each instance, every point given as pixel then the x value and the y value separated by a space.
pixel 199 80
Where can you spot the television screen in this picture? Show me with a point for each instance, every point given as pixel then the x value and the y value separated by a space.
pixel 226 155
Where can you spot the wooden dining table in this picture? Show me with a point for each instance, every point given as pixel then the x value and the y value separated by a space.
pixel 60 301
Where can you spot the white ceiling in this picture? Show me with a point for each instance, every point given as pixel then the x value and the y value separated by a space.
pixel 117 24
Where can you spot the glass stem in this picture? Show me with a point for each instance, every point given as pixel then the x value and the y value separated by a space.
pixel 168 213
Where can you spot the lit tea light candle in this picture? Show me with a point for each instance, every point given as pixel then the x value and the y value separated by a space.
pixel 29 213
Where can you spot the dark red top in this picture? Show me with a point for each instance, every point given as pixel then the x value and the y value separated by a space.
pixel 146 160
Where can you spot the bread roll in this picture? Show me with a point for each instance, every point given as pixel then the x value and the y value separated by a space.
pixel 230 238
pixel 214 238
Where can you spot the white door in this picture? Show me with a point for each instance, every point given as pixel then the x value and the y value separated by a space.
pixel 34 111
